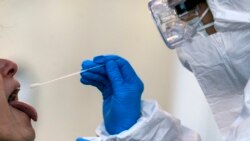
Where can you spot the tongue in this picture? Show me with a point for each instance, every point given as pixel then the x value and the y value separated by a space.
pixel 27 109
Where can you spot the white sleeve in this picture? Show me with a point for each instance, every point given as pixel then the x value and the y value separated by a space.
pixel 154 125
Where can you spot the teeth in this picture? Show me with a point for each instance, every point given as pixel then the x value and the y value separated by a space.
pixel 13 95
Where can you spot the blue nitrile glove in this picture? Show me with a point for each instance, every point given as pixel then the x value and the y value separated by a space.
pixel 81 139
pixel 121 90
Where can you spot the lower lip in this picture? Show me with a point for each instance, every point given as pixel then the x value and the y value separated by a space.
pixel 27 109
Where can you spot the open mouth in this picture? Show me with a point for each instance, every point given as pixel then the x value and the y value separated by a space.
pixel 21 106
pixel 13 96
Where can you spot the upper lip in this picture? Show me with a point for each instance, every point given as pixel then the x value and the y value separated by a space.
pixel 14 94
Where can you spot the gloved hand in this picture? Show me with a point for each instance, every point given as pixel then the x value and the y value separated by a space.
pixel 81 139
pixel 121 90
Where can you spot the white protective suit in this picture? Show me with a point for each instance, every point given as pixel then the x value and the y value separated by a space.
pixel 221 64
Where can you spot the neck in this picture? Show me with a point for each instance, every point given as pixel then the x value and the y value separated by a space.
pixel 207 19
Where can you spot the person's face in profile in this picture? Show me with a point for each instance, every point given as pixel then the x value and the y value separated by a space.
pixel 15 116
pixel 197 11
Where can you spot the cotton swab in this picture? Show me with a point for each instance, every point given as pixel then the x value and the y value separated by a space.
pixel 62 77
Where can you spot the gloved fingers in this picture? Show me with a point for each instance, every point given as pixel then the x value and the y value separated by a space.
pixel 126 69
pixel 97 84
pixel 104 88
pixel 114 73
pixel 81 139
pixel 96 77
pixel 89 64
pixel 103 59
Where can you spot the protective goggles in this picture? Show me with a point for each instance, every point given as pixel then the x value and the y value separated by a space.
pixel 171 18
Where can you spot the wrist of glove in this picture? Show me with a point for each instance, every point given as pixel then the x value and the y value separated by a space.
pixel 121 89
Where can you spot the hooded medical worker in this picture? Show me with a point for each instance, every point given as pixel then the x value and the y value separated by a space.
pixel 213 43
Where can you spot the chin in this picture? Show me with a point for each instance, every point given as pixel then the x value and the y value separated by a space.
pixel 26 130
pixel 29 134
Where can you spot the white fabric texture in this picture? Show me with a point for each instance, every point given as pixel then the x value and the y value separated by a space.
pixel 221 64
pixel 154 125
pixel 240 130
pixel 230 15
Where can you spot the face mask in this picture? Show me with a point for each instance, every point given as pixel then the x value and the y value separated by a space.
pixel 173 30
pixel 201 28
pixel 220 62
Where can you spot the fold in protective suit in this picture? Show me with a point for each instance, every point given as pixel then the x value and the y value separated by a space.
pixel 216 65
pixel 215 62
pixel 221 64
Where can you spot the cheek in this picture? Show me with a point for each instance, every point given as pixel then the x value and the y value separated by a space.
pixel 7 87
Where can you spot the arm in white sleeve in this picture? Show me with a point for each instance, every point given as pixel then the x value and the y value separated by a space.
pixel 154 125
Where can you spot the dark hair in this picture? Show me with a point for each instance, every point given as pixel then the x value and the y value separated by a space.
pixel 187 5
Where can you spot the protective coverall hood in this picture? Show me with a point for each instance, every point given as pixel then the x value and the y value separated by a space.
pixel 230 15
pixel 221 64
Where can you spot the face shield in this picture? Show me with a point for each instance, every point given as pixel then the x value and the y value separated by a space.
pixel 173 17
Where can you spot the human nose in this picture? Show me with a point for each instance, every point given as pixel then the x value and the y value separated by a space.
pixel 8 68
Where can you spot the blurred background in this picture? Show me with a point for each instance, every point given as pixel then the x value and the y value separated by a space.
pixel 50 38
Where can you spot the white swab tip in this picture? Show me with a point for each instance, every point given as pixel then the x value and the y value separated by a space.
pixel 34 85
pixel 62 77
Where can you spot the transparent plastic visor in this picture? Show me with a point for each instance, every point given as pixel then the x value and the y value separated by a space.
pixel 172 29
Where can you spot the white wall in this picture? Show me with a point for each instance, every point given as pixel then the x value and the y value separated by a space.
pixel 49 38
